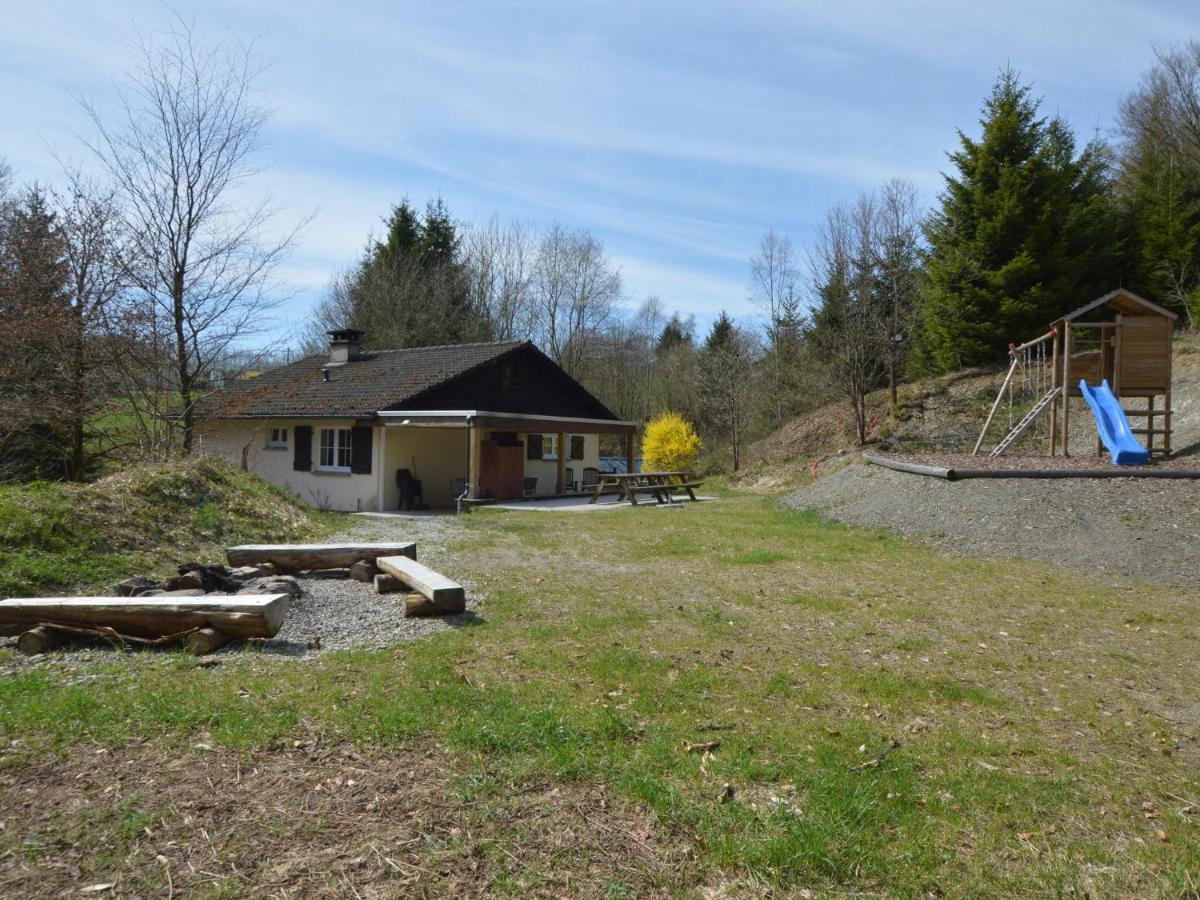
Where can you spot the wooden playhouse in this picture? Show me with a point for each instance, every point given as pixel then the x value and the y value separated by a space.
pixel 1120 337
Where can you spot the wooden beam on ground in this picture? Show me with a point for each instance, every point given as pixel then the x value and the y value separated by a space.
pixel 205 640
pixel 40 640
pixel 301 557
pixel 448 596
pixel 416 606
pixel 237 615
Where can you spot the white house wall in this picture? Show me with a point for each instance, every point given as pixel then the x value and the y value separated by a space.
pixel 437 456
pixel 329 490
pixel 546 470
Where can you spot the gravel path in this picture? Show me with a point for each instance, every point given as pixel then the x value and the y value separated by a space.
pixel 1147 529
pixel 337 613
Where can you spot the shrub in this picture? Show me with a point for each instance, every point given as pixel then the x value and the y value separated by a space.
pixel 670 444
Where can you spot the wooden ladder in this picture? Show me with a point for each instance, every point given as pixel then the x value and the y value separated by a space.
pixel 1020 428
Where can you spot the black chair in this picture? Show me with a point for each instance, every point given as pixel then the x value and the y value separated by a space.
pixel 410 489
pixel 530 487
pixel 568 484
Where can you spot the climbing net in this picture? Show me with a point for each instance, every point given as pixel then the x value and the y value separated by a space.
pixel 1031 381
pixel 1026 387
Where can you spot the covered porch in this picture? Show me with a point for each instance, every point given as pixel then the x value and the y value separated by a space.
pixel 480 456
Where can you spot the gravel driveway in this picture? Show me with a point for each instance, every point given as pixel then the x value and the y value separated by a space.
pixel 1147 529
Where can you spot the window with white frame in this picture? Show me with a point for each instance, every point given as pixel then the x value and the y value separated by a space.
pixel 277 440
pixel 335 450
pixel 549 446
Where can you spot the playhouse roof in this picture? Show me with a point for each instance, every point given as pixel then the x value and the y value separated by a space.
pixel 1125 302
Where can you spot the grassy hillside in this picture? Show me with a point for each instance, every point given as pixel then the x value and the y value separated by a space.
pixel 56 538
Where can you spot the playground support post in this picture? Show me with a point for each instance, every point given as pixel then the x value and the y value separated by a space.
pixel 1167 400
pixel 1066 388
pixel 1054 404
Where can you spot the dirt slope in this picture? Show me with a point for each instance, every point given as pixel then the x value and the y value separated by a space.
pixel 944 415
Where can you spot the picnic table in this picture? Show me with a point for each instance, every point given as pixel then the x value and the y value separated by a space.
pixel 661 484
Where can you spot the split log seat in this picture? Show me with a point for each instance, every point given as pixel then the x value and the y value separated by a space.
pixel 242 615
pixel 307 557
pixel 447 596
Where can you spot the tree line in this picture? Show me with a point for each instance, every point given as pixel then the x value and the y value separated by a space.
pixel 123 297
pixel 134 293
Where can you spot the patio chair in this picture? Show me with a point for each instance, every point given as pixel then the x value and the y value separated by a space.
pixel 410 489
pixel 568 484
pixel 591 476
pixel 529 488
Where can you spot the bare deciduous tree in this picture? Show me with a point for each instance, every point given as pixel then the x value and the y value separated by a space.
pixel 180 149
pixel 847 328
pixel 775 291
pixel 500 262
pixel 575 288
pixel 895 235
pixel 95 250
pixel 622 369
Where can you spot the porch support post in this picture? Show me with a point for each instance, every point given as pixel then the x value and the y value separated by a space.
pixel 629 452
pixel 381 466
pixel 561 475
pixel 475 454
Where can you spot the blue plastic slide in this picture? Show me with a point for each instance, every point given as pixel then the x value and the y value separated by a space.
pixel 1113 426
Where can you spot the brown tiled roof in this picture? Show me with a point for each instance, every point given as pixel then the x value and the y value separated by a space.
pixel 379 380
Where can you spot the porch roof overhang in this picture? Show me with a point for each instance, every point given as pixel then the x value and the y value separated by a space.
pixel 482 418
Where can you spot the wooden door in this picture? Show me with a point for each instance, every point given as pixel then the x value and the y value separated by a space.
pixel 501 470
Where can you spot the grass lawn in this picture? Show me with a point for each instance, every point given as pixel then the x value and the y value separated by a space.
pixel 1046 728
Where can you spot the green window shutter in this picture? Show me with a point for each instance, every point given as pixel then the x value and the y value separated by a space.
pixel 302 454
pixel 577 446
pixel 533 446
pixel 360 449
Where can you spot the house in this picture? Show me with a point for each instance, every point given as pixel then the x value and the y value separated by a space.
pixel 352 430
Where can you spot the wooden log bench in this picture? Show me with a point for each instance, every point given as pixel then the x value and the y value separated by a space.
pixel 237 615
pixel 446 596
pixel 303 557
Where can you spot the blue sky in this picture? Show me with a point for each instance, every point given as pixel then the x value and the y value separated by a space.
pixel 676 131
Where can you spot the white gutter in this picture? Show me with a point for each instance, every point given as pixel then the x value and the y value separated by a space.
pixel 474 413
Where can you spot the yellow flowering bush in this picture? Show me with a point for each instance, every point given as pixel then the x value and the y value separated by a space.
pixel 669 444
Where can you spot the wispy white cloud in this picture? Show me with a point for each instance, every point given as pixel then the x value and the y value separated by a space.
pixel 676 130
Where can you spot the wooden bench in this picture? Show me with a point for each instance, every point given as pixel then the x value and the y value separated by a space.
pixel 446 596
pixel 300 557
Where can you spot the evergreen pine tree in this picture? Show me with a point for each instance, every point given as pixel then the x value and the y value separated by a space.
pixel 410 289
pixel 1026 231
pixel 675 333
pixel 721 337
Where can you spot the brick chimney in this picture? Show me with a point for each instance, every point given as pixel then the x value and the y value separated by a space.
pixel 345 346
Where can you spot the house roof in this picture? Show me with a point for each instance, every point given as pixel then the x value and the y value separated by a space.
pixel 377 380
pixel 1122 301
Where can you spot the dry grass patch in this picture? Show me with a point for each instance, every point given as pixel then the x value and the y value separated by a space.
pixel 319 821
